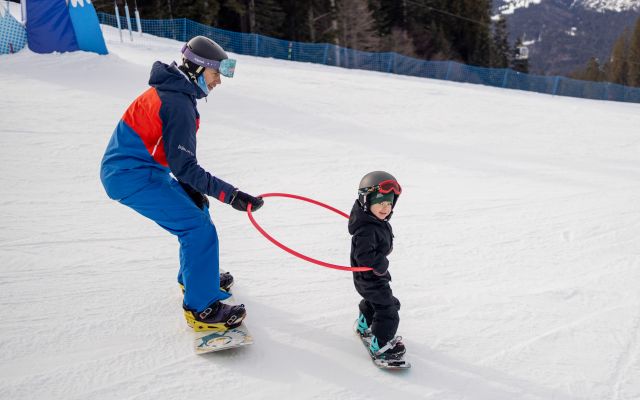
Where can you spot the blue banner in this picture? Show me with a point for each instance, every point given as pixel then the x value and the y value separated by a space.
pixel 86 26
pixel 49 27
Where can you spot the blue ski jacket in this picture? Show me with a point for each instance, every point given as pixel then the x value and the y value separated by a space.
pixel 158 131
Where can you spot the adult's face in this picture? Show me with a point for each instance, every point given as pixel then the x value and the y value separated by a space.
pixel 212 78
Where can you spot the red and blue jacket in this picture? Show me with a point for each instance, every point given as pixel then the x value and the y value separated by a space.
pixel 158 132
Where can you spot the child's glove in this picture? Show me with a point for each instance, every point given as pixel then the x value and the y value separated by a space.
pixel 241 200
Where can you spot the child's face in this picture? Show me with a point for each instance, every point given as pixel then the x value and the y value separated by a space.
pixel 381 210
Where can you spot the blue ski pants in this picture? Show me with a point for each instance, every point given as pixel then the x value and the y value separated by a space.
pixel 160 198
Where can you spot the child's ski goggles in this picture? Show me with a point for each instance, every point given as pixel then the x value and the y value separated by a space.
pixel 383 187
pixel 225 67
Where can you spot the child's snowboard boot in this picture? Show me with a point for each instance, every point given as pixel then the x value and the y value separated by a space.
pixel 392 350
pixel 362 328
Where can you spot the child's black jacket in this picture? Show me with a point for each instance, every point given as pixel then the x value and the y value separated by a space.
pixel 371 243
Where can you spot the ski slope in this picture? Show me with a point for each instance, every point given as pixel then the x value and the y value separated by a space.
pixel 517 248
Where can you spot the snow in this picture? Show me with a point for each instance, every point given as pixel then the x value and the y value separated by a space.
pixel 510 6
pixel 516 253
pixel 610 5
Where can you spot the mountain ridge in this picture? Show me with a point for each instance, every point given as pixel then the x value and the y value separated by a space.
pixel 562 35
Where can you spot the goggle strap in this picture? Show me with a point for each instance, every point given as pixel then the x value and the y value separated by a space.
pixel 196 59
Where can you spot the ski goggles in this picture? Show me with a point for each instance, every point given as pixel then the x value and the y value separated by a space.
pixel 383 187
pixel 225 67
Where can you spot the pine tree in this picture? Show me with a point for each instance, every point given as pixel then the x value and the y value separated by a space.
pixel 618 64
pixel 593 72
pixel 501 49
pixel 633 71
pixel 477 35
pixel 268 18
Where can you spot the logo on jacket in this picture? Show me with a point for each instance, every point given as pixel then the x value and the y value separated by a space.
pixel 181 147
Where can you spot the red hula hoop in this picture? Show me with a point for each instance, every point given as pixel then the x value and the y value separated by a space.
pixel 291 251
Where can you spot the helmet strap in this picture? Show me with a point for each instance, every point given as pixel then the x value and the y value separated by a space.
pixel 192 70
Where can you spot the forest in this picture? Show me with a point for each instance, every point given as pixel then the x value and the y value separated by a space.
pixel 458 30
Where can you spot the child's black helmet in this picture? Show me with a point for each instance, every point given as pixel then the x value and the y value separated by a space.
pixel 377 182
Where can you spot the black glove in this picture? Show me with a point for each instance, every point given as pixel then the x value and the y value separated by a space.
pixel 240 201
pixel 199 199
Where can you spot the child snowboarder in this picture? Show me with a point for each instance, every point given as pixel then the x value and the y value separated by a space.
pixel 371 243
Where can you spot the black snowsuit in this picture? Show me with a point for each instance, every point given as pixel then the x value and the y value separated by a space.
pixel 371 243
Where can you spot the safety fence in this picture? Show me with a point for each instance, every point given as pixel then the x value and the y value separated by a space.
pixel 13 36
pixel 183 29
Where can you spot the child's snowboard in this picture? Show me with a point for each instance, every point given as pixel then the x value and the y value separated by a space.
pixel 400 363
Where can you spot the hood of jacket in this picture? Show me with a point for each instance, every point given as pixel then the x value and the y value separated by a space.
pixel 358 218
pixel 169 78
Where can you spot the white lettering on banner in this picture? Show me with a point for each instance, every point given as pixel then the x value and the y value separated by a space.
pixel 181 147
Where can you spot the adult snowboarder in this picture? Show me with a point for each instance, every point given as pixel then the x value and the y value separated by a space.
pixel 155 138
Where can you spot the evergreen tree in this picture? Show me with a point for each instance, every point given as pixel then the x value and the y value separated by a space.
pixel 593 71
pixel 269 18
pixel 501 49
pixel 232 15
pixel 618 68
pixel 477 34
pixel 633 71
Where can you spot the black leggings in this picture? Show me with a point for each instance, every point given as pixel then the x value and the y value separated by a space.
pixel 383 319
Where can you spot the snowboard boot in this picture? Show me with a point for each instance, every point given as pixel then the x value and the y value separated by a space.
pixel 393 350
pixel 362 328
pixel 226 281
pixel 217 317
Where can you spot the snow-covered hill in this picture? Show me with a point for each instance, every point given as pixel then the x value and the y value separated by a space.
pixel 509 6
pixel 516 255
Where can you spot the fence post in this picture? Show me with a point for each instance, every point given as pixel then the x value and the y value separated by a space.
pixel 446 77
pixel 118 20
pixel 556 84
pixel 128 16
pixel 506 77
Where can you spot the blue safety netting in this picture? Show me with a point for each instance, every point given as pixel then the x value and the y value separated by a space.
pixel 328 54
pixel 13 35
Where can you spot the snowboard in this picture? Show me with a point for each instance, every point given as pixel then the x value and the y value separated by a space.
pixel 379 362
pixel 211 341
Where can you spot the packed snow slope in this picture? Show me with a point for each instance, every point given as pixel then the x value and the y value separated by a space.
pixel 517 237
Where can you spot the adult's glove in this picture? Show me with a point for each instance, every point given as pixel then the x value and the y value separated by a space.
pixel 240 201
pixel 199 199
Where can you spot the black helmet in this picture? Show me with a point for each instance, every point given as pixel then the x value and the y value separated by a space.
pixel 198 54
pixel 377 182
